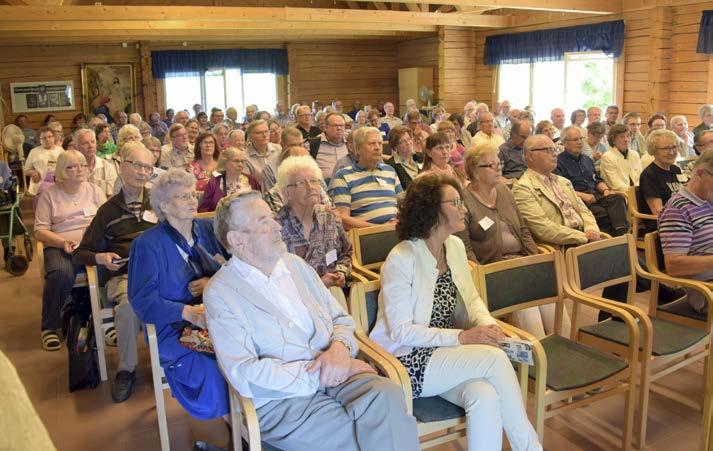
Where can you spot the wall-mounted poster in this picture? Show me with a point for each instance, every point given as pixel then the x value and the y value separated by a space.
pixel 108 88
pixel 38 96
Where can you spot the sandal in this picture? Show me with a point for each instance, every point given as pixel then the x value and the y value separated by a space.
pixel 110 336
pixel 107 317
pixel 50 340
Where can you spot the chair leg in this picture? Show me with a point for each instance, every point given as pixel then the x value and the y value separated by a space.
pixel 540 408
pixel 629 414
pixel 162 420
pixel 643 407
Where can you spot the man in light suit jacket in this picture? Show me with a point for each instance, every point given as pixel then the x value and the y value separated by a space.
pixel 548 203
pixel 284 341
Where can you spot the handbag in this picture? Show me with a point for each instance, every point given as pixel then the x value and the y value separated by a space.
pixel 78 327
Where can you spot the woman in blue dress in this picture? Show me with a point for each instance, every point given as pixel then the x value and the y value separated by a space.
pixel 169 265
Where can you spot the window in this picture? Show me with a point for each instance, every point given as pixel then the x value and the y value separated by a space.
pixel 581 80
pixel 221 88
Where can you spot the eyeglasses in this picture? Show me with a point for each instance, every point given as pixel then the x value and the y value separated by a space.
pixel 302 183
pixel 337 125
pixel 552 150
pixel 186 197
pixel 76 167
pixel 238 160
pixel 457 202
pixel 667 149
pixel 140 166
pixel 263 132
pixel 493 166
pixel 575 139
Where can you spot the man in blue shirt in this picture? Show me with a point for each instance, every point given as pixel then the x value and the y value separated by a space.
pixel 609 208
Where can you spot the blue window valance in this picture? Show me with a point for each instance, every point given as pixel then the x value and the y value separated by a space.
pixel 172 63
pixel 705 33
pixel 552 44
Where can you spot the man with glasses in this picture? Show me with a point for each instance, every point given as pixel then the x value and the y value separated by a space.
pixel 42 160
pixel 330 147
pixel 100 172
pixel 608 207
pixel 511 153
pixel 486 132
pixel 180 154
pixel 551 208
pixel 686 229
pixel 107 241
pixel 633 123
pixel 303 115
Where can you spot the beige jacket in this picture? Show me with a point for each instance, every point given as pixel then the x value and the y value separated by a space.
pixel 542 214
pixel 617 170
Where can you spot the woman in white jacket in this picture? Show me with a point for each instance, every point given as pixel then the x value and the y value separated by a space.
pixel 433 320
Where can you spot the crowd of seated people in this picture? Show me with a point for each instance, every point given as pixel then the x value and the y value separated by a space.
pixel 483 186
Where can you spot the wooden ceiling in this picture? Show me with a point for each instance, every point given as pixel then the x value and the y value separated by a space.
pixel 66 21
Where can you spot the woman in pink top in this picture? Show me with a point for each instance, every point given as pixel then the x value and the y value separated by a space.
pixel 63 211
pixel 206 160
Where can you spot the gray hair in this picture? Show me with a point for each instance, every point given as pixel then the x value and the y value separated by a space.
pixel 124 132
pixel 223 220
pixel 81 132
pixel 705 109
pixel 290 131
pixel 678 117
pixel 302 107
pixel 361 135
pixel 292 164
pixel 219 126
pixel 653 137
pixel 65 159
pixel 164 186
pixel 144 126
pixel 130 147
pixel 228 154
pixel 254 124
pixel 568 128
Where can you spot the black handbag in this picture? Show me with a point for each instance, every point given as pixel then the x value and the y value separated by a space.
pixel 81 343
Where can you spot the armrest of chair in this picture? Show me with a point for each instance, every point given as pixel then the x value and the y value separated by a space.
pixel 544 249
pixel 358 277
pixel 242 408
pixel 604 235
pixel 96 305
pixel 538 354
pixel 387 364
pixel 367 273
pixel 40 254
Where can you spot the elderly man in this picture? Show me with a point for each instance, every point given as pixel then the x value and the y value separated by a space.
pixel 679 125
pixel 480 108
pixel 706 114
pixel 469 114
pixel 330 147
pixel 511 154
pixel 282 114
pixel 135 119
pixel 365 193
pixel 197 108
pixel 594 114
pixel 356 107
pixel 303 116
pixel 120 119
pixel 608 207
pixel 178 153
pixel 632 121
pixel 236 138
pixel 557 118
pixel 548 203
pixel 502 120
pixel 99 171
pixel 389 119
pixel 686 226
pixel 182 118
pixel 107 239
pixel 216 117
pixel 170 115
pixel 338 106
pixel 42 159
pixel 283 340
pixel 486 132
pixel 610 116
pixel 703 142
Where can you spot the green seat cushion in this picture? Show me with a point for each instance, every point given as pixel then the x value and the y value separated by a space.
pixel 435 408
pixel 682 308
pixel 669 338
pixel 572 365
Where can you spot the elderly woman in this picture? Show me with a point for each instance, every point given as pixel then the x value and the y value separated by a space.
pixel 63 211
pixel 433 320
pixel 657 121
pixel 621 166
pixel 105 147
pixel 220 132
pixel 359 120
pixel 437 155
pixel 438 114
pixel 169 266
pixel 373 119
pixel 193 131
pixel 261 152
pixel 78 121
pixel 309 228
pixel 457 150
pixel 464 137
pixel 203 125
pixel 662 177
pixel 206 160
pixel 593 147
pixel 275 132
pixel 274 197
pixel 401 144
pixel 231 165
pixel 145 130
pixel 578 117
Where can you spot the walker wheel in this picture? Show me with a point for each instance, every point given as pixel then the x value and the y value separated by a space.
pixel 17 265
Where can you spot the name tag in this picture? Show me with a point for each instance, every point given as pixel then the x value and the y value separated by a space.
pixel 150 216
pixel 382 182
pixel 682 178
pixel 486 223
pixel 90 211
pixel 216 174
pixel 331 257
pixel 2 180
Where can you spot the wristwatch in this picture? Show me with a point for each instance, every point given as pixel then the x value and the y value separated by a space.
pixel 345 343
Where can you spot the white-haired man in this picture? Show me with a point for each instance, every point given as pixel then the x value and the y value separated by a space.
pixel 679 125
pixel 705 112
pixel 99 171
pixel 389 119
pixel 283 340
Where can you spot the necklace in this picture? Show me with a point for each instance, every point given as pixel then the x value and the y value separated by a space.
pixel 490 203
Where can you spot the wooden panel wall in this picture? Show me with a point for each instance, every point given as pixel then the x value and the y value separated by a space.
pixel 48 63
pixel 484 75
pixel 457 67
pixel 420 52
pixel 364 70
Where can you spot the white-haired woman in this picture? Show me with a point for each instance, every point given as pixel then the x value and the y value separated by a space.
pixel 309 229
pixel 169 266
pixel 63 211
pixel 154 146
pixel 231 165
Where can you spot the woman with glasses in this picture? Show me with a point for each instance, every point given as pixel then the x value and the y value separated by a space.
pixel 403 162
pixel 621 166
pixel 63 211
pixel 437 155
pixel 309 228
pixel 231 166
pixel 169 267
pixel 593 146
pixel 433 321
pixel 494 228
pixel 206 155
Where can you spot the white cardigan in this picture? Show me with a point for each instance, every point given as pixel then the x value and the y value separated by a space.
pixel 408 280
pixel 617 170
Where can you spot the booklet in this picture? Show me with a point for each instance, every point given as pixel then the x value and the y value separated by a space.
pixel 518 350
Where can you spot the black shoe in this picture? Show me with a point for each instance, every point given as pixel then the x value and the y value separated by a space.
pixel 123 386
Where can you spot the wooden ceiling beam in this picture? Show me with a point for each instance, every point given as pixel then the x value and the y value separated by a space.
pixel 215 15
pixel 572 6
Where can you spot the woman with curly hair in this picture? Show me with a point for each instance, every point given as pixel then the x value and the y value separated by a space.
pixel 433 320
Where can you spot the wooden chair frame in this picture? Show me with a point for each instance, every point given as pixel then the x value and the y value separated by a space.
pixel 370 271
pixel 548 402
pixel 651 367
pixel 95 297
pixel 635 216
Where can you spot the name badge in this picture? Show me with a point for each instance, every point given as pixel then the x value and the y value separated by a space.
pixel 486 223
pixel 150 216
pixel 216 174
pixel 331 257
pixel 682 178
pixel 89 211
pixel 382 182
pixel 2 180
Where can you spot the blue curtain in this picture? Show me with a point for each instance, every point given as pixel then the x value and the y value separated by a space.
pixel 182 63
pixel 551 45
pixel 705 33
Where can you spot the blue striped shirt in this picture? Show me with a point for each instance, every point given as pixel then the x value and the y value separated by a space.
pixel 369 194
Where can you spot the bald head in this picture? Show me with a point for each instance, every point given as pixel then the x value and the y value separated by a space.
pixel 540 154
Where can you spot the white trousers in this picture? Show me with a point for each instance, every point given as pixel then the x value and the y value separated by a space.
pixel 540 321
pixel 481 379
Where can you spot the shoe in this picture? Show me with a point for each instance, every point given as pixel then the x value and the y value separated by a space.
pixel 668 294
pixel 110 336
pixel 123 386
pixel 50 340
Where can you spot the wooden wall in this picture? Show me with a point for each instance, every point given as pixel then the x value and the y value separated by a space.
pixel 420 53
pixel 50 63
pixel 457 67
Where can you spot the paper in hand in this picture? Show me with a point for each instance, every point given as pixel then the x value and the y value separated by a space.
pixel 518 350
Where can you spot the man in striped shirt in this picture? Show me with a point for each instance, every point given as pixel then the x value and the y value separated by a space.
pixel 686 229
pixel 365 192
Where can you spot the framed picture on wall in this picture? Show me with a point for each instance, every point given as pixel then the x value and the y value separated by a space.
pixel 37 96
pixel 108 88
